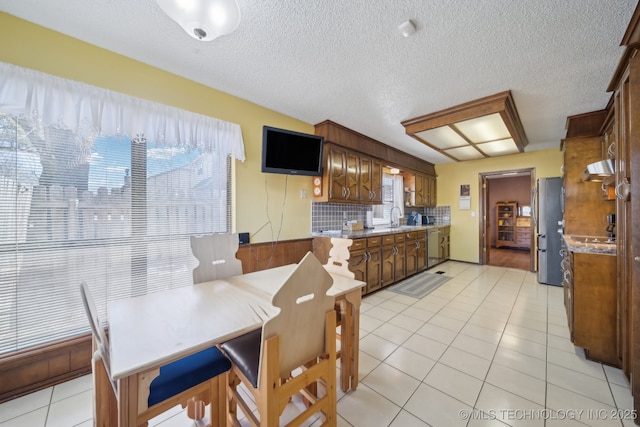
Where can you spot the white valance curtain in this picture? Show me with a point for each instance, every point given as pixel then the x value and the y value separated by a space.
pixel 83 109
pixel 100 187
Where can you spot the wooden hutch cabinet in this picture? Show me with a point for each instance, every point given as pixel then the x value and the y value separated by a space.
pixel 506 223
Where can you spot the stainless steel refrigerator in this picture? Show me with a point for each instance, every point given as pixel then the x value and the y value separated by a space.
pixel 548 219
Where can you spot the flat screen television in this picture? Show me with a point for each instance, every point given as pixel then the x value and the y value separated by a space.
pixel 292 153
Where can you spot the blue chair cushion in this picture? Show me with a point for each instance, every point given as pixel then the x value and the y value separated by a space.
pixel 244 352
pixel 183 374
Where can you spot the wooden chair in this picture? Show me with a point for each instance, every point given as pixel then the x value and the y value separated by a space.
pixel 301 338
pixel 196 375
pixel 216 254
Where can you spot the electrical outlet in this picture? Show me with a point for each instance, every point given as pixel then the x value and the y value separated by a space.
pixel 303 194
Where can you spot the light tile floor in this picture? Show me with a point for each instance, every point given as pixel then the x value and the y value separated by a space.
pixel 488 348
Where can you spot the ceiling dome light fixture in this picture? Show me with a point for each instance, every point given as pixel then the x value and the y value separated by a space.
pixel 203 20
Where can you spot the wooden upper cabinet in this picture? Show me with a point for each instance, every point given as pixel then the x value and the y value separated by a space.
pixel 336 174
pixel 422 189
pixel 351 177
pixel 342 175
pixel 433 199
pixel 371 181
pixel 354 164
pixel 369 188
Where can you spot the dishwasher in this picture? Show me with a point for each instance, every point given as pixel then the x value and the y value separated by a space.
pixel 433 247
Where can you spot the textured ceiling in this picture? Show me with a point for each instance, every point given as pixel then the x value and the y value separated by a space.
pixel 346 60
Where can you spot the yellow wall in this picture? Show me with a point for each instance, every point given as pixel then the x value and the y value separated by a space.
pixel 465 224
pixel 38 48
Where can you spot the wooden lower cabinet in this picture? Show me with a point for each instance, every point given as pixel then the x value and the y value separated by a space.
pixel 445 245
pixel 388 259
pixel 358 265
pixel 591 303
pixel 365 260
pixel 400 259
pixel 374 263
pixel 381 260
pixel 393 258
pixel 411 254
pixel 421 245
pixel 567 284
pixel 523 237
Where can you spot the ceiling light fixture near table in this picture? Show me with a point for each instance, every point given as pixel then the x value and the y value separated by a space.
pixel 487 127
pixel 203 20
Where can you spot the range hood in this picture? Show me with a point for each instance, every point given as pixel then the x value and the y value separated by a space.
pixel 599 170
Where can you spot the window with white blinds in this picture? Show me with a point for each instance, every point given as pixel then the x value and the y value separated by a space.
pixel 111 210
pixel 392 196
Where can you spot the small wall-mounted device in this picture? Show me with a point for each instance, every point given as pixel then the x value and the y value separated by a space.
pixel 407 28
pixel 244 238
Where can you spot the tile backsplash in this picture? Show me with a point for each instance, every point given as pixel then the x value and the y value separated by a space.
pixel 331 216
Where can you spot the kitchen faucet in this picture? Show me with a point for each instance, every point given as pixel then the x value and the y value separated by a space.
pixel 395 223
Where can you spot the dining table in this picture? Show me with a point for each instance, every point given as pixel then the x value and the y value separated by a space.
pixel 152 330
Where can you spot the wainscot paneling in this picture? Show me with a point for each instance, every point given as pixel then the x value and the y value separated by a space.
pixel 39 367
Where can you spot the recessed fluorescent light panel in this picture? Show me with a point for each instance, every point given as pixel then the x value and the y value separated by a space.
pixel 487 127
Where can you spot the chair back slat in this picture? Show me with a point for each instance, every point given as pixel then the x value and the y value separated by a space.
pixel 338 262
pixel 216 254
pixel 300 324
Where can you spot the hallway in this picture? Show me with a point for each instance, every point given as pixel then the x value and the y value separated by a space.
pixel 511 258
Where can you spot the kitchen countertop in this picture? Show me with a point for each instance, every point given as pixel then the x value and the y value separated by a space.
pixel 590 244
pixel 374 231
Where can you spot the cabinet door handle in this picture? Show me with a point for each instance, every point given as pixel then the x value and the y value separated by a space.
pixel 618 195
pixel 622 189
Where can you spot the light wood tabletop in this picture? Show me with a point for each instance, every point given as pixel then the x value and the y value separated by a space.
pixel 149 331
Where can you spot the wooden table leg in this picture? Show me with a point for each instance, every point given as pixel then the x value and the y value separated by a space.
pixel 105 410
pixel 345 343
pixel 128 401
pixel 106 405
pixel 353 299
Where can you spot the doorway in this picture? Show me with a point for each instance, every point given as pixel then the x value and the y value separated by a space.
pixel 508 241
